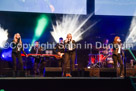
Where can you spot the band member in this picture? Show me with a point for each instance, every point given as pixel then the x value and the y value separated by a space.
pixel 70 54
pixel 38 68
pixel 117 52
pixel 50 5
pixel 107 47
pixel 43 4
pixel 16 51
pixel 107 52
pixel 59 50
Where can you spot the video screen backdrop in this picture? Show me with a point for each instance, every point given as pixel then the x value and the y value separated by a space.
pixel 45 6
pixel 115 7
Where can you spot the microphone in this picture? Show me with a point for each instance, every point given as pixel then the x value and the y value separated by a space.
pixel 69 40
pixel 18 40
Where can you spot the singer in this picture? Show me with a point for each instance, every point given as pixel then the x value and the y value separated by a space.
pixel 70 55
pixel 50 5
pixel 117 53
pixel 16 51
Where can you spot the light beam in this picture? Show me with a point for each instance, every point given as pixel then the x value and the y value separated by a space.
pixel 42 24
pixel 3 37
pixel 71 24
pixel 131 38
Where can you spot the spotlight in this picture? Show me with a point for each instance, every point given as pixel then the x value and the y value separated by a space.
pixel 6 55
pixel 42 24
pixel 131 38
pixel 88 67
pixel 2 90
pixel 3 56
pixel 3 37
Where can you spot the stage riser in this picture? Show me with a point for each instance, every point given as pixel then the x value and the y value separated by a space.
pixel 57 72
pixel 64 84
pixel 108 72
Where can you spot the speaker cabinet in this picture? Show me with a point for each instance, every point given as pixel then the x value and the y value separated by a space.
pixel 111 72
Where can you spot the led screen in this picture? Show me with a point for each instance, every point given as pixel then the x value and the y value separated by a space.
pixel 45 6
pixel 115 7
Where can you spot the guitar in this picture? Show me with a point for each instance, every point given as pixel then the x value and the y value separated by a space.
pixel 60 54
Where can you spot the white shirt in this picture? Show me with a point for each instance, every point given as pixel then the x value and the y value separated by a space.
pixel 70 46
pixel 119 50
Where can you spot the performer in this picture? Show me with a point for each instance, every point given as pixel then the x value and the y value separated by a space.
pixel 16 51
pixel 107 47
pixel 46 4
pixel 51 6
pixel 70 53
pixel 117 52
pixel 59 50
pixel 38 68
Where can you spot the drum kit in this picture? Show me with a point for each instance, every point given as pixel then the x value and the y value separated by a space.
pixel 102 59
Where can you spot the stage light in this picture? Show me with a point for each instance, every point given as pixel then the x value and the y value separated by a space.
pixel 71 24
pixel 88 67
pixel 6 55
pixel 3 56
pixel 42 23
pixel 3 37
pixel 2 90
pixel 131 38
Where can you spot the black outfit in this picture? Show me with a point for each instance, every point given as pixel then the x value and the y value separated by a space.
pixel 70 56
pixel 60 48
pixel 117 57
pixel 39 63
pixel 16 53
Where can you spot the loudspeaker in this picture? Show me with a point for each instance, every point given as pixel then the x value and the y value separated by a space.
pixel 111 72
pixel 20 74
pixel 85 74
pixel 81 73
pixel 93 72
pixel 130 72
pixel 7 72
pixel 53 72
pixel 75 73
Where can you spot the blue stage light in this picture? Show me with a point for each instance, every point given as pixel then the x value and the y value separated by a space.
pixel 3 56
pixel 6 55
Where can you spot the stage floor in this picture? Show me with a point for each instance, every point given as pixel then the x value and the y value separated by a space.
pixel 66 83
pixel 57 72
pixel 60 78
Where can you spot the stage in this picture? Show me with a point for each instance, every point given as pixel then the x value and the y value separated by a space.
pixel 95 79
pixel 46 45
pixel 66 83
pixel 57 72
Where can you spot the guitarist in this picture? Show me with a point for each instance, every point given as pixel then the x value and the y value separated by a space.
pixel 59 50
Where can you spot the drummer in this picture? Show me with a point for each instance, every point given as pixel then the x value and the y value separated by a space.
pixel 106 47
